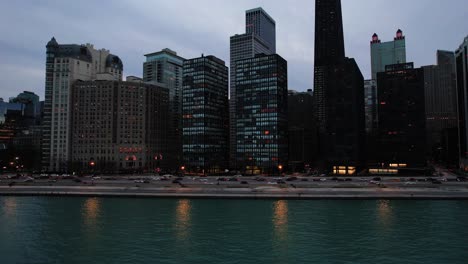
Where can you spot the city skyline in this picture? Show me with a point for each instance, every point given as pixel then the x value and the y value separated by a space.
pixel 161 25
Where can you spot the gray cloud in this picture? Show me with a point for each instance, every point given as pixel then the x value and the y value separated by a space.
pixel 132 28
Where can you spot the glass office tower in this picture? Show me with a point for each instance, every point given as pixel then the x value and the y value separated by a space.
pixel 262 99
pixel 205 114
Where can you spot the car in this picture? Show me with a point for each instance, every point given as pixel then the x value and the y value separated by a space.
pixel 377 179
pixel 233 179
pixel 176 181
pixel 280 182
pixel 334 179
pixel 348 179
pixel 96 178
pixel 259 179
pixel 139 181
pixel 52 181
pixel 29 179
pixel 304 179
pixel 436 182
pixel 77 180
pixel 244 182
pixel 323 180
pixel 222 179
pixel 291 179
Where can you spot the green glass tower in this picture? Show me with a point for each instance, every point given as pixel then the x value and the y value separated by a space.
pixel 387 53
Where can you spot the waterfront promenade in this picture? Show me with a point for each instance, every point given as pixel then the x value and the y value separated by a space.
pixel 248 188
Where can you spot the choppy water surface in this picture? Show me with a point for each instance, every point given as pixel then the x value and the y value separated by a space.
pixel 105 230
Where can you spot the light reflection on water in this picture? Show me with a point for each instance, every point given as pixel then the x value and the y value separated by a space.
pixel 183 218
pixel 385 213
pixel 280 220
pixel 91 212
pixel 9 206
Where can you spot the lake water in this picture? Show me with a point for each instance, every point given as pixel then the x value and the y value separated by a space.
pixel 113 230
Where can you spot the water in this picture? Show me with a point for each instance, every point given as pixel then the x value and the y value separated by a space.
pixel 99 230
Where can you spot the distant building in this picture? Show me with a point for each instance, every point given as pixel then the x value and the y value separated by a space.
pixel 302 131
pixel 261 111
pixel 387 53
pixel 31 103
pixel 133 79
pixel 259 23
pixel 441 100
pixel 260 38
pixel 402 118
pixel 461 55
pixel 119 127
pixel 205 115
pixel 165 68
pixel 66 64
pixel 20 135
pixel 338 95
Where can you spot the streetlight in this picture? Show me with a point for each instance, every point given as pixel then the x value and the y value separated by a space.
pixel 92 163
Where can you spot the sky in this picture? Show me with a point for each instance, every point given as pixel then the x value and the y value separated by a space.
pixel 132 28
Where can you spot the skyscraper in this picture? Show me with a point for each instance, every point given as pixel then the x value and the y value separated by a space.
pixel 259 23
pixel 402 118
pixel 165 68
pixel 338 93
pixel 461 55
pixel 441 98
pixel 64 65
pixel 387 53
pixel 205 116
pixel 261 110
pixel 329 40
pixel 260 37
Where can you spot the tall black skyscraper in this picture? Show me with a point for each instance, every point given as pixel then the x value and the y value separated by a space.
pixel 329 40
pixel 339 94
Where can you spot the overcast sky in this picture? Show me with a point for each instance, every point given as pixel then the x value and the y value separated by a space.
pixel 132 28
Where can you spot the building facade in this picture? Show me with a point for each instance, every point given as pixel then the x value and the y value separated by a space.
pixel 387 53
pixel 119 127
pixel 370 95
pixel 260 37
pixel 461 57
pixel 441 100
pixel 338 95
pixel 261 111
pixel 302 131
pixel 165 68
pixel 402 118
pixel 66 64
pixel 205 113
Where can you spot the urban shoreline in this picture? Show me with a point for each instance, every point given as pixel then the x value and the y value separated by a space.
pixel 362 193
